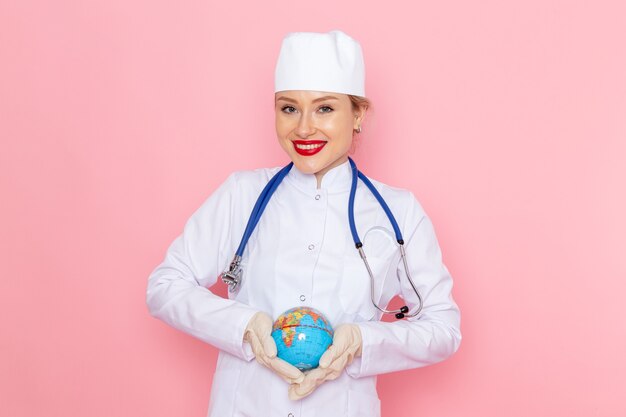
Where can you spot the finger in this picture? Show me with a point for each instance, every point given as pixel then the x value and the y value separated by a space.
pixel 296 391
pixel 312 379
pixel 341 337
pixel 332 375
pixel 253 341
pixel 269 346
pixel 257 348
pixel 328 357
pixel 339 363
pixel 306 387
pixel 287 371
pixel 294 395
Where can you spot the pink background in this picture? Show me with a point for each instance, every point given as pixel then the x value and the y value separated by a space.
pixel 507 120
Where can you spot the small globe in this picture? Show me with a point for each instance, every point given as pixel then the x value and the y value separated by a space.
pixel 302 335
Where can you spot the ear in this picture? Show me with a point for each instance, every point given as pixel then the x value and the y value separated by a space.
pixel 359 115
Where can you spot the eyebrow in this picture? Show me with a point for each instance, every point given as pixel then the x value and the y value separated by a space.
pixel 314 101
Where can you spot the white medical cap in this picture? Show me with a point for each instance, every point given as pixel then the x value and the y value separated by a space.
pixel 330 62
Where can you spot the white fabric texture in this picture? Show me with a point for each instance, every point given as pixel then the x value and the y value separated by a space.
pixel 302 253
pixel 331 61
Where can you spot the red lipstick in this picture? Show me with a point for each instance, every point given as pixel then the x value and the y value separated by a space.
pixel 312 150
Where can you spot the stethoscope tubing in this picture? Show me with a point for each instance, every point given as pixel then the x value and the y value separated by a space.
pixel 260 205
pixel 233 275
pixel 403 311
pixel 356 173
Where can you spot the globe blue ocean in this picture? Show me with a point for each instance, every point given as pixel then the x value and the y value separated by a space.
pixel 302 335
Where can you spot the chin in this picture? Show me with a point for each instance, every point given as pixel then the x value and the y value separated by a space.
pixel 307 168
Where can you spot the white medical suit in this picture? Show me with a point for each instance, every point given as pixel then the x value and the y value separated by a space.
pixel 302 254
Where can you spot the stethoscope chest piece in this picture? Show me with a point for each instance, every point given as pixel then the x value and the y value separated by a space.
pixel 232 277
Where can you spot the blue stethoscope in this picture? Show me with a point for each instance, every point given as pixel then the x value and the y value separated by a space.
pixel 232 277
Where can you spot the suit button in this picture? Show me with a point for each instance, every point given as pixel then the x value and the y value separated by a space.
pixel 302 298
pixel 311 247
pixel 317 197
pixel 289 415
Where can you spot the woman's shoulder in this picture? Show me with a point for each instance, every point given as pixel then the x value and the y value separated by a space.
pixel 250 179
pixel 402 199
pixel 393 192
pixel 254 175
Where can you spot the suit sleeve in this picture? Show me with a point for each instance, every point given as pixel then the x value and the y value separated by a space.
pixel 177 290
pixel 431 336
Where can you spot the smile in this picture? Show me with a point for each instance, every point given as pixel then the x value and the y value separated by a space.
pixel 308 147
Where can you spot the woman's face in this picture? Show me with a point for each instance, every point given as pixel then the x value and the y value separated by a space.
pixel 315 128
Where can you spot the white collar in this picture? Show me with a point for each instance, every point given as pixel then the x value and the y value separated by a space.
pixel 338 179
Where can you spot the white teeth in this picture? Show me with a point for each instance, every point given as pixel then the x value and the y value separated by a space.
pixel 309 146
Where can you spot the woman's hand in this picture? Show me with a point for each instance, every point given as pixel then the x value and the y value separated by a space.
pixel 347 343
pixel 258 335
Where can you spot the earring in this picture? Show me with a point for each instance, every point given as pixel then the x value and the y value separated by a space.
pixel 358 129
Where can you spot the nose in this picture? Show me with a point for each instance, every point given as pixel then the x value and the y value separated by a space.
pixel 306 126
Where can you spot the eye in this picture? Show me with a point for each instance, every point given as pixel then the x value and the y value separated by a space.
pixel 288 109
pixel 326 109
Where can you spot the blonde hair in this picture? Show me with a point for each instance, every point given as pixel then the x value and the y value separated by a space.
pixel 358 101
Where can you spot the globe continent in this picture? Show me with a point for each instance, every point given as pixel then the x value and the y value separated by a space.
pixel 302 335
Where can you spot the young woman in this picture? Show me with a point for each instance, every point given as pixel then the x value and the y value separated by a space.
pixel 303 252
